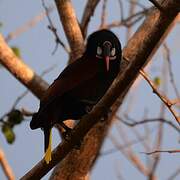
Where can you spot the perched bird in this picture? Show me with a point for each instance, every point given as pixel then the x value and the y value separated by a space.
pixel 80 86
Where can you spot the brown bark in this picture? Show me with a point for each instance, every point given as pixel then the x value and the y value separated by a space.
pixel 139 48
pixel 77 163
pixel 20 70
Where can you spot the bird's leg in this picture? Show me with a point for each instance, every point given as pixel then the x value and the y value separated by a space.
pixel 67 132
pixel 66 135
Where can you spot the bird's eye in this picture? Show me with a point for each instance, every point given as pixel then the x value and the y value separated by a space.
pixel 99 50
pixel 113 52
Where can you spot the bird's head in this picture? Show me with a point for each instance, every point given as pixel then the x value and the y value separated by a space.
pixel 103 45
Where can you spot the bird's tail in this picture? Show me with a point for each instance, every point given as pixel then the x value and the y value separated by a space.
pixel 47 144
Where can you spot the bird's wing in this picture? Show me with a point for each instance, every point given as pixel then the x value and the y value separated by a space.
pixel 74 74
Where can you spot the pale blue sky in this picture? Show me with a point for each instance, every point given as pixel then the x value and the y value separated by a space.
pixel 36 47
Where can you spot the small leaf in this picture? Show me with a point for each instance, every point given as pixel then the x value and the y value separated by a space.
pixel 15 117
pixel 8 133
pixel 157 81
pixel 16 51
pixel 1 24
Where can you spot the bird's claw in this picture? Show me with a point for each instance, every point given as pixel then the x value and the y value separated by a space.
pixel 77 146
pixel 66 136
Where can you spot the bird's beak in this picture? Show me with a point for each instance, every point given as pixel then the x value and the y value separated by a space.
pixel 106 54
pixel 107 62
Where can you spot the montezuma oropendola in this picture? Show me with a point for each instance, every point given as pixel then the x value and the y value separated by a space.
pixel 80 86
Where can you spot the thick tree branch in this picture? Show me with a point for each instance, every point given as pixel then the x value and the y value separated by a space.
pixel 20 70
pixel 139 49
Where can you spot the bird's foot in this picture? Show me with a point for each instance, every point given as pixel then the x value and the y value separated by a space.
pixel 77 146
pixel 67 135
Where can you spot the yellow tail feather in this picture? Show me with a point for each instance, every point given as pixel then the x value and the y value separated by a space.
pixel 48 151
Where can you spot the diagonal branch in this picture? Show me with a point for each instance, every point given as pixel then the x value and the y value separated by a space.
pixel 20 70
pixel 164 99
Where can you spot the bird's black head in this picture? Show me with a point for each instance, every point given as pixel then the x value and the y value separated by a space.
pixel 103 45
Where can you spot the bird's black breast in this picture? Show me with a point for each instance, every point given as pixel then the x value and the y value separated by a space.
pixel 88 92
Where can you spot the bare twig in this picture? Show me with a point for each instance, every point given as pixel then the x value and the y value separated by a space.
pixel 54 31
pixel 128 21
pixel 160 131
pixel 175 101
pixel 167 57
pixel 19 98
pixel 121 10
pixel 128 153
pixel 162 97
pixel 131 12
pixel 137 3
pixel 28 24
pixel 5 166
pixel 136 123
pixel 87 14
pixel 124 146
pixel 162 151
pixel 104 13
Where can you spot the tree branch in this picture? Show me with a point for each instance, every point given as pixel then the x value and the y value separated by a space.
pixel 71 27
pixel 20 70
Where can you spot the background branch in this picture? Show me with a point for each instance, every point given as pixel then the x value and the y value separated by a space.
pixel 5 166
pixel 166 101
pixel 20 70
pixel 28 24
